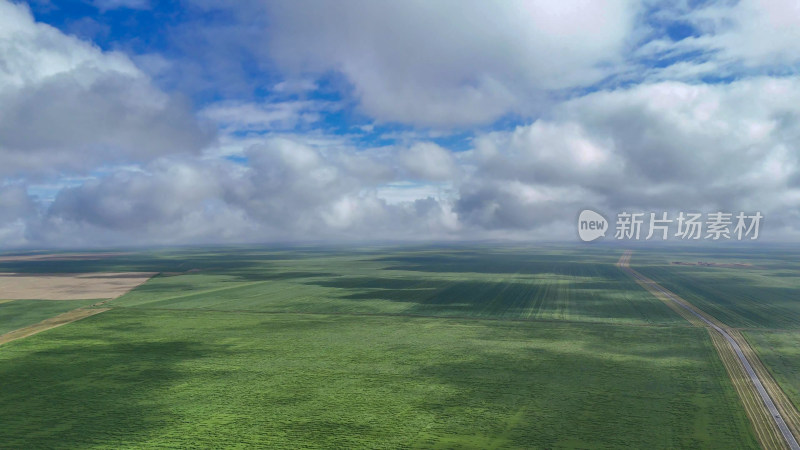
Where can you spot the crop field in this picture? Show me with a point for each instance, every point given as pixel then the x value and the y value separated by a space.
pixel 756 293
pixel 780 352
pixel 547 286
pixel 196 378
pixel 447 347
pixel 21 313
pixel 764 293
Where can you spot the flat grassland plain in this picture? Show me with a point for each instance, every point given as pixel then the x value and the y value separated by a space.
pixel 546 347
pixel 756 292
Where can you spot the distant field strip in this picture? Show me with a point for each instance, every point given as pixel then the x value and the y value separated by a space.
pixel 767 415
pixel 568 291
pixel 739 297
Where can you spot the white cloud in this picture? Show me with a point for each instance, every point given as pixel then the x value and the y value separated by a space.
pixel 241 116
pixel 660 147
pixel 428 161
pixel 450 63
pixel 730 39
pixel 92 153
pixel 65 105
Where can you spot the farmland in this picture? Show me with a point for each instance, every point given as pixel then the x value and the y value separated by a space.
pixel 780 352
pixel 547 286
pixel 756 291
pixel 549 347
pixel 153 378
pixel 762 294
pixel 21 313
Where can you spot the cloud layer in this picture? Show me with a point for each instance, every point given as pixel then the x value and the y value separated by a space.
pixel 513 118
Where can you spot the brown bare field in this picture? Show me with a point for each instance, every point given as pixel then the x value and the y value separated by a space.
pixel 15 286
pixel 57 321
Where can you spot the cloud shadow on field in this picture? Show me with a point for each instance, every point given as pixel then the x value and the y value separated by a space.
pixel 539 396
pixel 103 396
pixel 500 263
pixel 597 299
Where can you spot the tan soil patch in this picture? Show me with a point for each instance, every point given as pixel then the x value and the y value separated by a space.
pixel 81 286
pixel 57 321
pixel 60 257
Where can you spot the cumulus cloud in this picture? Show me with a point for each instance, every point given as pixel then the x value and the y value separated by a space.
pixel 725 40
pixel 283 166
pixel 246 116
pixel 65 105
pixel 660 147
pixel 444 63
pixel 289 190
pixel 17 211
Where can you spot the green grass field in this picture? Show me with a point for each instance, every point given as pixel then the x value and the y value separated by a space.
pixel 764 294
pixel 198 378
pixel 758 292
pixel 447 347
pixel 780 352
pixel 21 313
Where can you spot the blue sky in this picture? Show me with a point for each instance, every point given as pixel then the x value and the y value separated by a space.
pixel 202 121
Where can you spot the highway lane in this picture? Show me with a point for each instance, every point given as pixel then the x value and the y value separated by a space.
pixel 624 264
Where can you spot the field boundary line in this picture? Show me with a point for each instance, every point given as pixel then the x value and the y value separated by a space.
pixel 740 361
pixel 48 324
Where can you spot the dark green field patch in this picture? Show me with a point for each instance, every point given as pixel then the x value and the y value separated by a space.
pixel 21 313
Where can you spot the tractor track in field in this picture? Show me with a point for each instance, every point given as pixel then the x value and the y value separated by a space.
pixel 774 419
pixel 52 322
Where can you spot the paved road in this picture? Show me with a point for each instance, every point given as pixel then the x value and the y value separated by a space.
pixel 776 415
